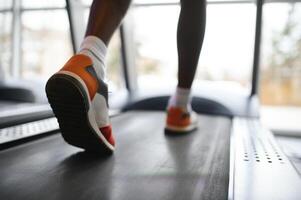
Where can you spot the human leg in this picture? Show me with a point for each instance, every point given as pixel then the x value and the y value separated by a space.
pixel 190 35
pixel 77 93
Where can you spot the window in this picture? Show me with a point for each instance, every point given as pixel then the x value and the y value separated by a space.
pixel 227 51
pixel 5 37
pixel 29 4
pixel 5 43
pixel 114 66
pixel 281 60
pixel 5 5
pixel 280 90
pixel 46 43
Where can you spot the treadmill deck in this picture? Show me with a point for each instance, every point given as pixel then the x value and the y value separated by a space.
pixel 147 164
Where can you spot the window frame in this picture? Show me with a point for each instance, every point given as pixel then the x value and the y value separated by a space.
pixel 129 74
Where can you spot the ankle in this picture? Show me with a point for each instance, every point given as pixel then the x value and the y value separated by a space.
pixel 96 49
pixel 181 98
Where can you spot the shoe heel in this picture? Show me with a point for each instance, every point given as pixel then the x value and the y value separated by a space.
pixel 70 105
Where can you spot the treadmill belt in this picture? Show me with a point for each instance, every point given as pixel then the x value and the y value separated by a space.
pixel 147 164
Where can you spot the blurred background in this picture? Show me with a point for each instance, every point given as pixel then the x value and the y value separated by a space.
pixel 35 42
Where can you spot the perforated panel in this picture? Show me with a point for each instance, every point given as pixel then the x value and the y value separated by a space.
pixel 259 168
pixel 28 129
pixel 259 147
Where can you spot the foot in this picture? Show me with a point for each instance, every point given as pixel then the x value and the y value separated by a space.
pixel 79 99
pixel 180 120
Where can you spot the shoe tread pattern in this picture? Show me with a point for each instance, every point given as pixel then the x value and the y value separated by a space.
pixel 70 106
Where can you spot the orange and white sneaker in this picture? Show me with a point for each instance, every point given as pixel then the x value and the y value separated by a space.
pixel 79 100
pixel 180 120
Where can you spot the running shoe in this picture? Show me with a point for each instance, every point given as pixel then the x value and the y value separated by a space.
pixel 180 120
pixel 79 100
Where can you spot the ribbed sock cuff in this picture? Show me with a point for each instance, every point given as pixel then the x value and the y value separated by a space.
pixel 181 98
pixel 96 49
pixel 96 45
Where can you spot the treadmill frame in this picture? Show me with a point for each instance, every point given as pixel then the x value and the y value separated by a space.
pixel 259 169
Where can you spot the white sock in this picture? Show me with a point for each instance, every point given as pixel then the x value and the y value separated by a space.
pixel 181 98
pixel 96 49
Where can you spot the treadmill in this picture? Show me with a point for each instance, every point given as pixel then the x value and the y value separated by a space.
pixel 230 156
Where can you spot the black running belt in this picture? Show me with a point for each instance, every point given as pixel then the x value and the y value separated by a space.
pixel 147 164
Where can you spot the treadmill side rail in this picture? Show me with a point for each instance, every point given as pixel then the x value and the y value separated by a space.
pixel 26 130
pixel 259 169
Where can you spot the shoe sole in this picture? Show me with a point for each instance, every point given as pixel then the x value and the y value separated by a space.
pixel 70 104
pixel 178 130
